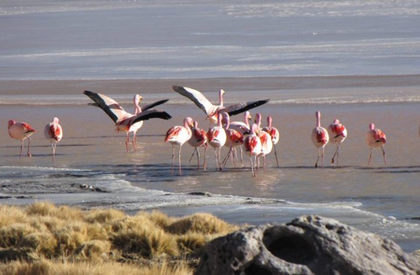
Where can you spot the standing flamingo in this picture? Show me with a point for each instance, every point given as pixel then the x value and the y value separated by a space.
pixel 198 139
pixel 375 138
pixel 124 121
pixel 212 110
pixel 275 135
pixel 266 143
pixel 252 147
pixel 320 138
pixel 234 138
pixel 54 133
pixel 242 127
pixel 178 135
pixel 21 131
pixel 338 134
pixel 216 137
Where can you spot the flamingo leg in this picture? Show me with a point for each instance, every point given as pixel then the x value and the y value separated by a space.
pixel 195 149
pixel 218 159
pixel 173 158
pixel 383 153
pixel 323 150
pixel 338 153
pixel 234 156
pixel 225 160
pixel 335 154
pixel 21 147
pixel 275 153
pixel 29 147
pixel 242 160
pixel 370 156
pixel 179 160
pixel 317 159
pixel 127 140
pixel 205 158
pixel 134 142
pixel 198 158
pixel 252 167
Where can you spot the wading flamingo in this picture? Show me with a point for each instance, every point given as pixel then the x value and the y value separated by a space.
pixel 266 143
pixel 375 138
pixel 216 137
pixel 275 135
pixel 198 139
pixel 212 110
pixel 54 133
pixel 320 138
pixel 242 127
pixel 124 121
pixel 338 133
pixel 178 135
pixel 252 147
pixel 21 131
pixel 234 139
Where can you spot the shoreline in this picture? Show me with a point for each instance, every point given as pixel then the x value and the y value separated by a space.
pixel 60 87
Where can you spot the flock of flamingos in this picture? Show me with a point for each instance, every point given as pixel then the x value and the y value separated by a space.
pixel 253 139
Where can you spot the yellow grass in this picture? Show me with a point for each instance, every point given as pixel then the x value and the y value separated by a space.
pixel 45 239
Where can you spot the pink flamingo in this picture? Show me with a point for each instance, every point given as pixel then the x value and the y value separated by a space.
pixel 320 138
pixel 275 135
pixel 217 138
pixel 54 133
pixel 252 147
pixel 178 135
pixel 198 139
pixel 266 143
pixel 242 127
pixel 338 134
pixel 21 131
pixel 234 138
pixel 124 121
pixel 212 110
pixel 375 138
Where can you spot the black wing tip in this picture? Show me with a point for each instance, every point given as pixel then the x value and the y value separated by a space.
pixel 86 92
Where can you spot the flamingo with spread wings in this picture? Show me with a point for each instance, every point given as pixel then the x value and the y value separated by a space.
pixel 124 121
pixel 211 110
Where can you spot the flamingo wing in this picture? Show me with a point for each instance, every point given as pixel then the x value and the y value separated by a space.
pixel 197 97
pixel 154 104
pixel 152 113
pixel 110 106
pixel 243 107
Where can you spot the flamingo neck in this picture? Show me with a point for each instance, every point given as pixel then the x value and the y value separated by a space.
pixel 269 122
pixel 136 101
pixel 221 92
pixel 258 120
pixel 371 126
pixel 318 119
pixel 246 118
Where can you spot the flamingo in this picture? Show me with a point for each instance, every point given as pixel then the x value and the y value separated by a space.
pixel 242 127
pixel 21 131
pixel 375 138
pixel 234 138
pixel 178 135
pixel 217 138
pixel 54 133
pixel 320 138
pixel 252 147
pixel 124 121
pixel 266 143
pixel 198 139
pixel 338 134
pixel 212 110
pixel 275 135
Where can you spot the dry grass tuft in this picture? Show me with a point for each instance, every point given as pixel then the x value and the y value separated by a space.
pixel 45 239
pixel 200 223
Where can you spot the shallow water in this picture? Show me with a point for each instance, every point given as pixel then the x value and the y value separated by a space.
pixel 374 198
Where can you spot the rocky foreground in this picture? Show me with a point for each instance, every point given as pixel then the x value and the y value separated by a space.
pixel 306 245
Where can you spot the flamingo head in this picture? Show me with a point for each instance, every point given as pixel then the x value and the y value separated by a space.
pixel 336 121
pixel 248 115
pixel 371 126
pixel 56 120
pixel 11 123
pixel 137 99
pixel 189 122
